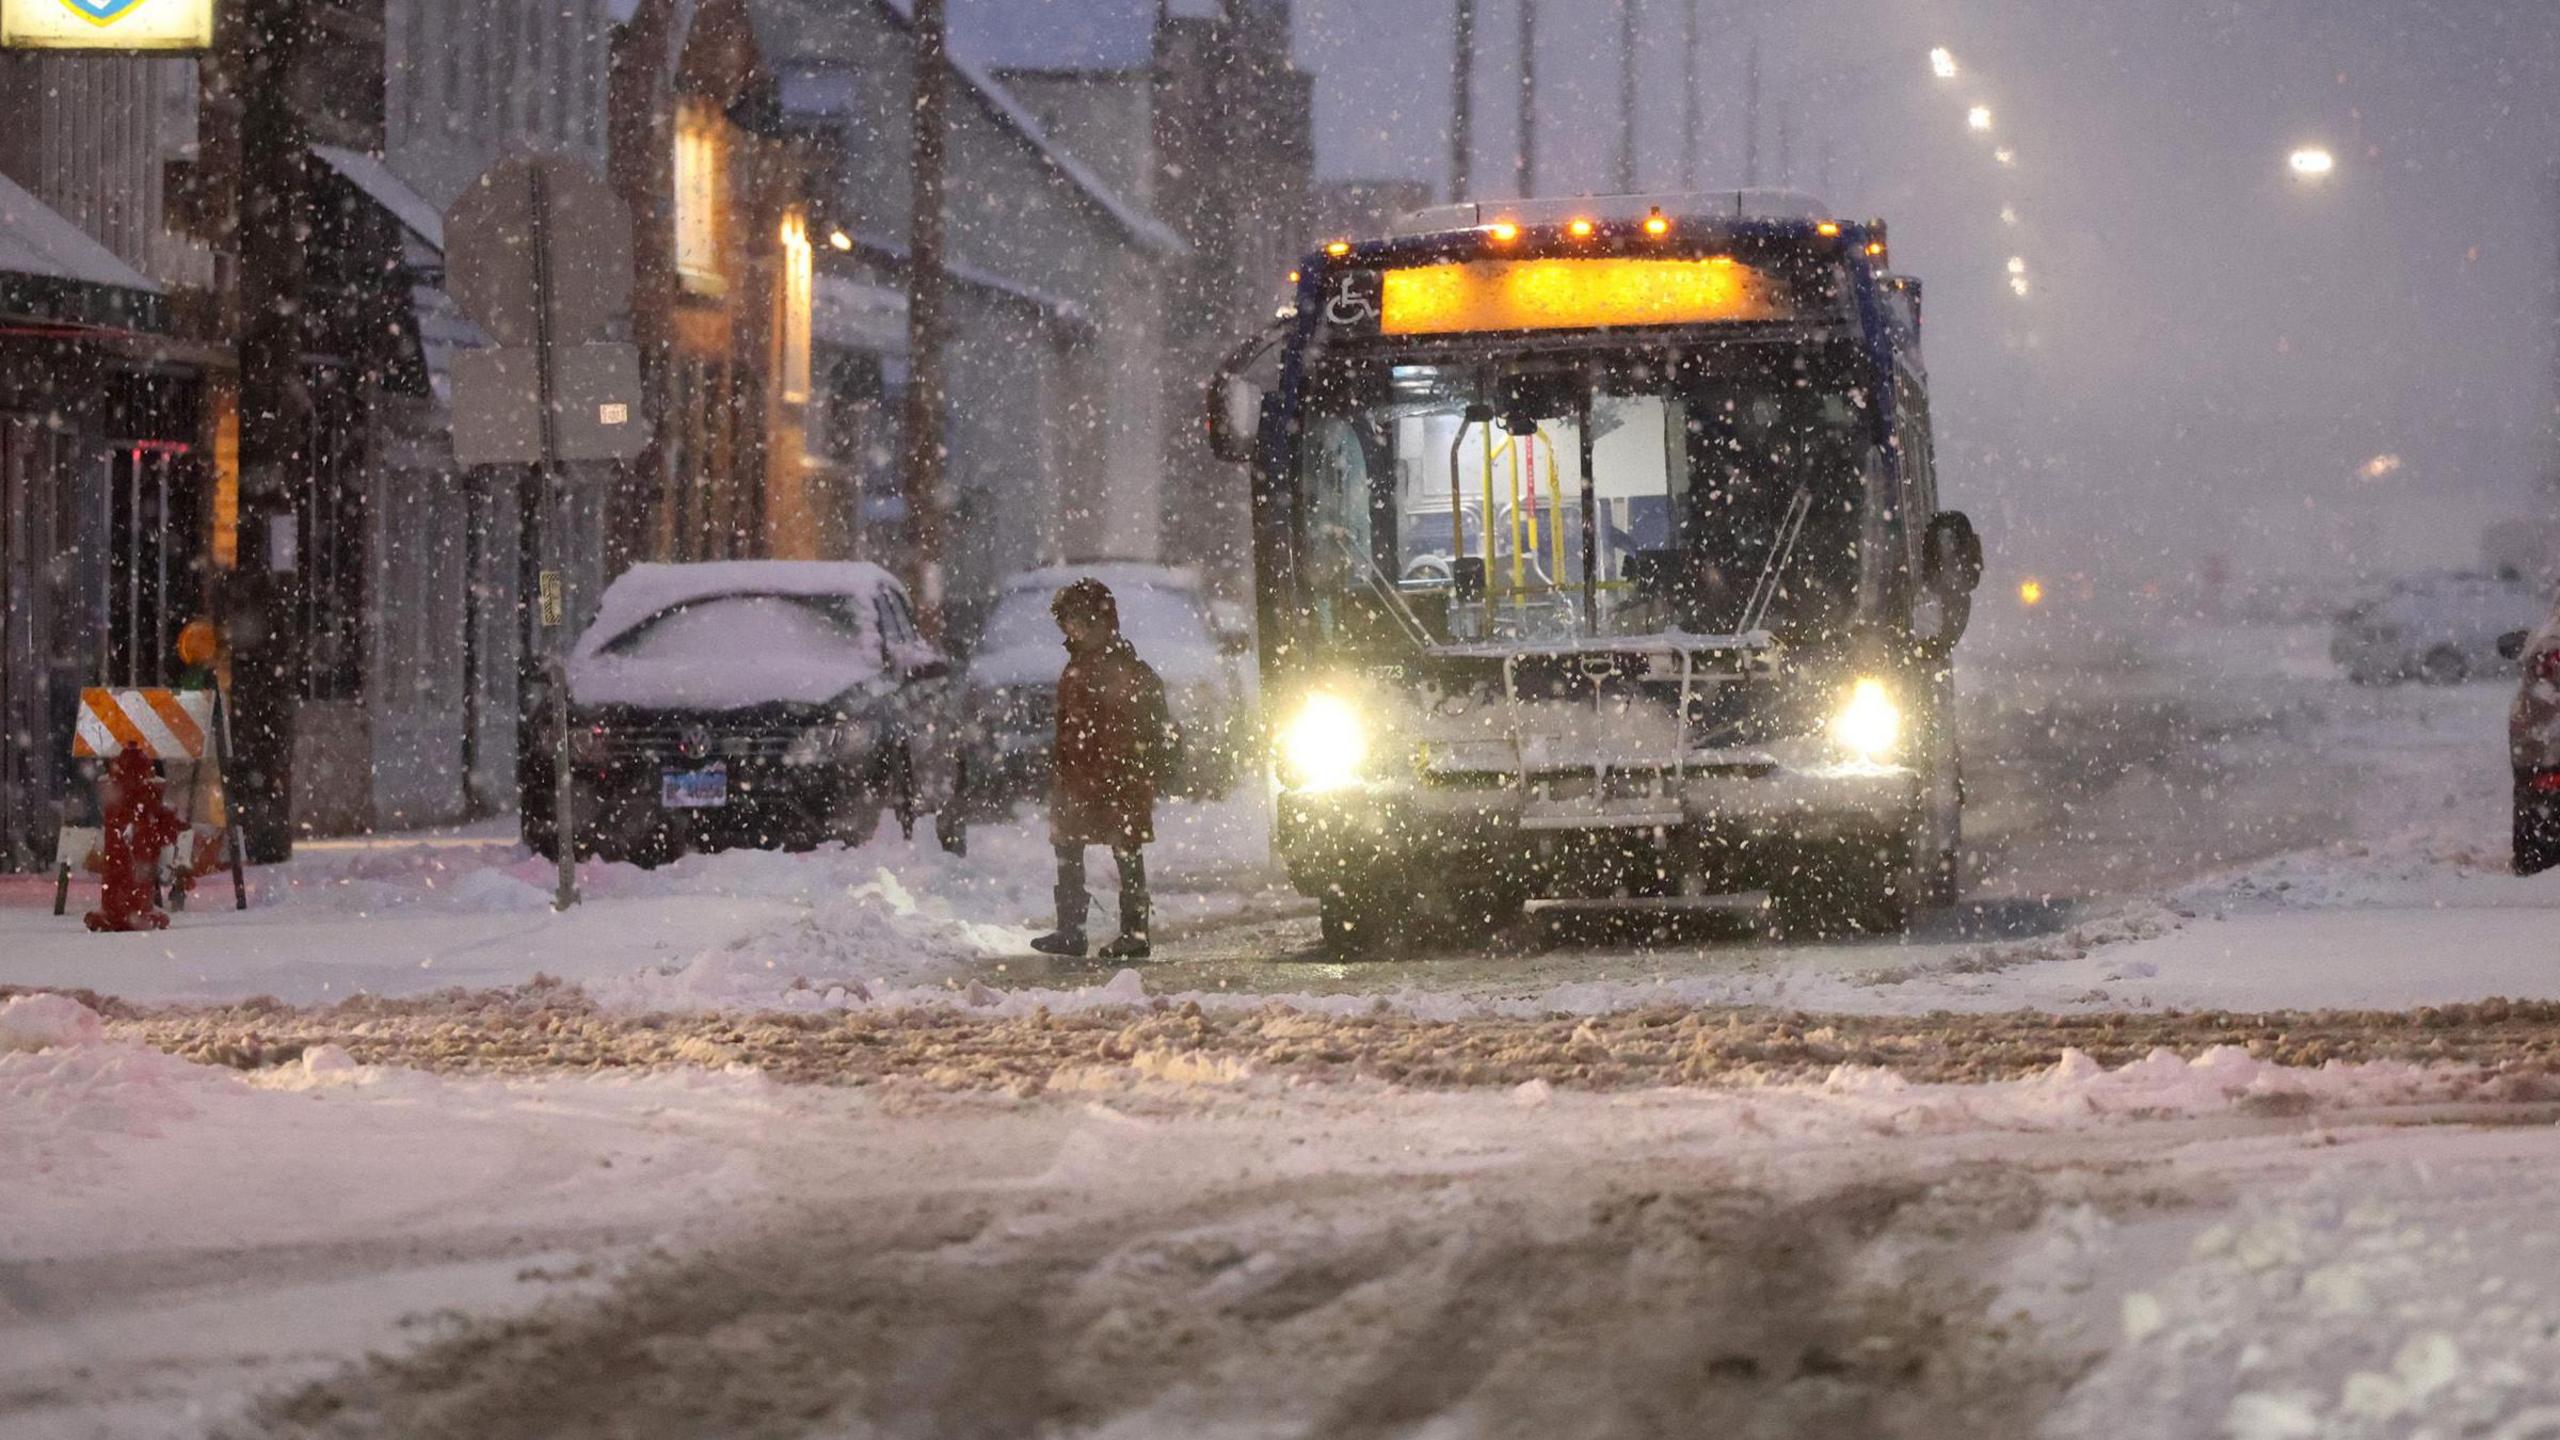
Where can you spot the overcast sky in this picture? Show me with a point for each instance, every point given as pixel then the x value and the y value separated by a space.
pixel 2211 351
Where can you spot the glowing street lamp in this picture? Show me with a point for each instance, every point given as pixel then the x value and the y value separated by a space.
pixel 2312 162
pixel 1942 63
pixel 1978 119
pixel 2005 156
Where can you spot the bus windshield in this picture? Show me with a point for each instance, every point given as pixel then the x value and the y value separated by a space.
pixel 1443 501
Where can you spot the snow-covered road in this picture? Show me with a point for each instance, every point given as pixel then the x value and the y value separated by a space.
pixel 2174 1247
pixel 1251 1191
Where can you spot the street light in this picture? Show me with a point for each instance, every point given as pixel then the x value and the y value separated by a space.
pixel 2313 162
pixel 1978 118
pixel 1942 63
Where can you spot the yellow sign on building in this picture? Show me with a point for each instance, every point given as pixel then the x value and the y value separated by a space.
pixel 109 25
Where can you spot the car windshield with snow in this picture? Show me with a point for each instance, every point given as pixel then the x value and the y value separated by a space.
pixel 750 703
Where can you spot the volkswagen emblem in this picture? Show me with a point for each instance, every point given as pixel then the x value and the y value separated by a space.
pixel 693 744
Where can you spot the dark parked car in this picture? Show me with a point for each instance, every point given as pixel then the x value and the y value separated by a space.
pixel 756 703
pixel 2533 744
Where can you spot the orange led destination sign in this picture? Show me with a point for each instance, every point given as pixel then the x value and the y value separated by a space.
pixel 1574 294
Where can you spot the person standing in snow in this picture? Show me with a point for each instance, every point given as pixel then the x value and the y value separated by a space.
pixel 1112 732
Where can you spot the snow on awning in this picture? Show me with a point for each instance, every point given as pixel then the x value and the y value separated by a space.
pixel 854 315
pixel 1092 37
pixel 50 269
pixel 388 191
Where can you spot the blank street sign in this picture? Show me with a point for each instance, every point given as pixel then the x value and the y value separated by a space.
pixel 497 416
pixel 489 258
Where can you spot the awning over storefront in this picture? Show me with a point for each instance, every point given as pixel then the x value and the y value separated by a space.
pixel 858 315
pixel 439 325
pixel 388 190
pixel 51 271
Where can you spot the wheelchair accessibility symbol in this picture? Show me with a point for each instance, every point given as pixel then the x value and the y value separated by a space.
pixel 1352 304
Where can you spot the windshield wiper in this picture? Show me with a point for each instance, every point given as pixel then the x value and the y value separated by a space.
pixel 1765 593
pixel 1386 591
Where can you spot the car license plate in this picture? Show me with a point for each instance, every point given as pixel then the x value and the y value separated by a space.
pixel 703 789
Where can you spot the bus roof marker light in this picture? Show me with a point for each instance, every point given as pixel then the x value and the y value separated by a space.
pixel 1827 229
pixel 1503 231
pixel 1656 226
pixel 1338 249
pixel 1579 228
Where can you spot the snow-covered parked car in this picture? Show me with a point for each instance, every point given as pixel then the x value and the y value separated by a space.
pixel 751 703
pixel 2533 743
pixel 2439 629
pixel 1013 680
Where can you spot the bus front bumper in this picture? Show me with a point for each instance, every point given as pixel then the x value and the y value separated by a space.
pixel 1352 834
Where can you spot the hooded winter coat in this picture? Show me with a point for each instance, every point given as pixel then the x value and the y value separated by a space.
pixel 1111 717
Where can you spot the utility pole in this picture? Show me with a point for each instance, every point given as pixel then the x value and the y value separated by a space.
pixel 1751 118
pixel 1626 97
pixel 262 603
pixel 1689 106
pixel 1462 107
pixel 1524 160
pixel 926 281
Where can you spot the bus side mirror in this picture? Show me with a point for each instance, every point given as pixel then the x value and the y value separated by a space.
pixel 1952 559
pixel 1235 409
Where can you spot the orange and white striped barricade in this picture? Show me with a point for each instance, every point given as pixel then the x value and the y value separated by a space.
pixel 172 727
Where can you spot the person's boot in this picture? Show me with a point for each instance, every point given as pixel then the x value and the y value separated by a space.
pixel 1061 942
pixel 1068 938
pixel 1131 942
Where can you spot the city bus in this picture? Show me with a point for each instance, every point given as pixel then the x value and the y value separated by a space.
pixel 1597 555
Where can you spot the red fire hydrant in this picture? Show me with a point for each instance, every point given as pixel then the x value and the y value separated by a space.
pixel 136 825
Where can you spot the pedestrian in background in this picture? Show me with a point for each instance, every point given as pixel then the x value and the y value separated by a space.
pixel 1112 735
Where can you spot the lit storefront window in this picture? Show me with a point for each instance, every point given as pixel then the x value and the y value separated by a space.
pixel 797 282
pixel 697 198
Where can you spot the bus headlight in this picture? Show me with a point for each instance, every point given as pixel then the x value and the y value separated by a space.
pixel 1323 746
pixel 1869 725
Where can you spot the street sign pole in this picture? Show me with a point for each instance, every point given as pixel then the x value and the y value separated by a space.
pixel 555 388
pixel 564 791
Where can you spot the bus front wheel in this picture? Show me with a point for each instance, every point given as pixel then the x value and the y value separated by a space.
pixel 1867 886
pixel 1356 918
